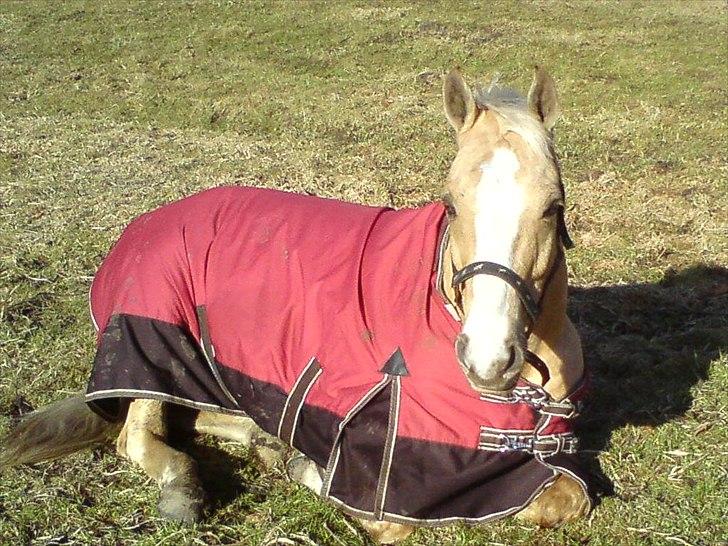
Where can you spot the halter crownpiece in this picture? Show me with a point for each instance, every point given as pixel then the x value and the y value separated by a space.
pixel 563 231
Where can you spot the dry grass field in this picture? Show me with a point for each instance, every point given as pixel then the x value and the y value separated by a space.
pixel 108 109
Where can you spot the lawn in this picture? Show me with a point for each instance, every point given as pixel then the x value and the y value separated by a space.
pixel 108 109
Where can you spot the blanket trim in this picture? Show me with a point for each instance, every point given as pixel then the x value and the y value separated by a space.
pixel 393 420
pixel 208 350
pixel 336 449
pixel 436 522
pixel 296 398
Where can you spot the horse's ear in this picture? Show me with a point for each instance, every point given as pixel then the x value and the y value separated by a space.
pixel 542 98
pixel 459 103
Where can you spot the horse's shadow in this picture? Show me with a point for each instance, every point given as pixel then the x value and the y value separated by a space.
pixel 225 474
pixel 646 346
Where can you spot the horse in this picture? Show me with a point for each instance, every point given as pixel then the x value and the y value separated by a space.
pixel 463 369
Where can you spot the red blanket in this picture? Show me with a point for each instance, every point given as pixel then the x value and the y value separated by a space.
pixel 323 321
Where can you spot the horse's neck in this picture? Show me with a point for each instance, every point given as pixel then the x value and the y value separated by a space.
pixel 554 338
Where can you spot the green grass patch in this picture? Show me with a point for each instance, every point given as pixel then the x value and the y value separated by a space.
pixel 108 109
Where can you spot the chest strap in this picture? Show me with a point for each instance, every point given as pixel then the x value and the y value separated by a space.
pixel 545 446
pixel 538 399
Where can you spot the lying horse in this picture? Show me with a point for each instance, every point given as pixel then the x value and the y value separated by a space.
pixel 420 360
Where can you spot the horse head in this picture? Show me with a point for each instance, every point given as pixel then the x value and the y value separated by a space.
pixel 505 202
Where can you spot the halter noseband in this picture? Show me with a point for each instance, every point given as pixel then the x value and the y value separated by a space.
pixel 513 279
pixel 505 274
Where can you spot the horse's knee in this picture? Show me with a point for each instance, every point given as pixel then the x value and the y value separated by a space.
pixel 383 532
pixel 303 470
pixel 563 501
pixel 143 441
pixel 136 446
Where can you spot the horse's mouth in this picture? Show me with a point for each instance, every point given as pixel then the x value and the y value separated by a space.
pixel 500 385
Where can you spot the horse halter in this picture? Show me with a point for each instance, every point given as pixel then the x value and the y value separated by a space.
pixel 515 281
pixel 505 274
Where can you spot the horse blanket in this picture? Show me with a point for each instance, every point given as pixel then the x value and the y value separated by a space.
pixel 324 322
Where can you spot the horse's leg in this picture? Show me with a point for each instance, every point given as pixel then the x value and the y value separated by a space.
pixel 383 532
pixel 142 440
pixel 304 471
pixel 242 429
pixel 561 502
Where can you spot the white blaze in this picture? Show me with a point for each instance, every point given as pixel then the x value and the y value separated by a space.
pixel 500 202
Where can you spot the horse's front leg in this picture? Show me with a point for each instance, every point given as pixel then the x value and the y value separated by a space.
pixel 304 471
pixel 242 429
pixel 142 440
pixel 563 501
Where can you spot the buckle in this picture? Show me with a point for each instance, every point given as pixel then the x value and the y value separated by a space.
pixel 542 446
pixel 565 410
pixel 532 396
pixel 547 446
pixel 515 443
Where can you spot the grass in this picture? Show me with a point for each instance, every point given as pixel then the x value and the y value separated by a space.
pixel 108 109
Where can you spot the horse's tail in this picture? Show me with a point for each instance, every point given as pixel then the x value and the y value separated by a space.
pixel 59 429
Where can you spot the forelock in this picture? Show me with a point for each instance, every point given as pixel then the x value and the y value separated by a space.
pixel 512 109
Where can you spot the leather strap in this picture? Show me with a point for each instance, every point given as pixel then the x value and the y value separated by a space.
pixel 534 360
pixel 505 274
pixel 295 400
pixel 544 446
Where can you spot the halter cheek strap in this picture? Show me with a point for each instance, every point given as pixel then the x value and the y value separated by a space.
pixel 563 231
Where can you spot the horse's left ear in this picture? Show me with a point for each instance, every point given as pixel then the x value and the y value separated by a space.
pixel 459 103
pixel 542 98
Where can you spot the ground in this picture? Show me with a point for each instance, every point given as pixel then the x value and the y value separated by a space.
pixel 108 109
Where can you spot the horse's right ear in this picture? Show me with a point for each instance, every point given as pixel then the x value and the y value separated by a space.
pixel 542 98
pixel 459 103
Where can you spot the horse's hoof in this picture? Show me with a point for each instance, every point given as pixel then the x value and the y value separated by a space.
pixel 297 467
pixel 183 503
pixel 383 532
pixel 271 451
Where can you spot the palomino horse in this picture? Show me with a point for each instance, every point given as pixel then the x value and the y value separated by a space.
pixel 421 360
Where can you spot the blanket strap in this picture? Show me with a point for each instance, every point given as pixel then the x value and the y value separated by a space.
pixel 539 399
pixel 295 400
pixel 546 446
pixel 209 352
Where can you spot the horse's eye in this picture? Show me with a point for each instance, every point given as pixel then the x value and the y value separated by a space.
pixel 449 207
pixel 553 208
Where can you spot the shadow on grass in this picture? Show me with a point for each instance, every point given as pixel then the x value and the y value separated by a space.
pixel 225 476
pixel 646 346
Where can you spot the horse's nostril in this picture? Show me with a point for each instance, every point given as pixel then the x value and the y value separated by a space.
pixel 461 348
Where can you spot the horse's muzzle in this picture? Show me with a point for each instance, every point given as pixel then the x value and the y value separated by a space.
pixel 504 372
